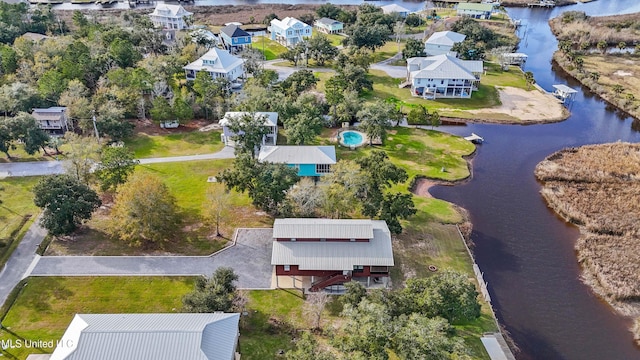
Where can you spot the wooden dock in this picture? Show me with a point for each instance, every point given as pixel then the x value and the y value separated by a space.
pixel 543 4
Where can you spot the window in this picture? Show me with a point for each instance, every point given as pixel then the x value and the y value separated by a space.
pixel 323 168
pixel 287 268
pixel 358 268
pixel 441 82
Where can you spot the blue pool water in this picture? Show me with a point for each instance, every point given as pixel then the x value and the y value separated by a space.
pixel 352 138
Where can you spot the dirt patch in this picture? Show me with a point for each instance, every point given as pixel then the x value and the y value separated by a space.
pixel 422 186
pixel 622 73
pixel 150 128
pixel 527 106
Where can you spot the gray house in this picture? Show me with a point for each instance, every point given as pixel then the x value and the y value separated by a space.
pixel 53 120
pixel 328 26
pixel 150 336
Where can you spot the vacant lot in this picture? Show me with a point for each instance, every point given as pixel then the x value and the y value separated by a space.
pixel 598 188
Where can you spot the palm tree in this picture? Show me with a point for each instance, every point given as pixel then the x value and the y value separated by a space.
pixel 622 45
pixel 594 76
pixel 618 89
pixel 528 77
pixel 602 45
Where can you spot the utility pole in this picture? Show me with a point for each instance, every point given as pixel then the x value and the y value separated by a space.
pixel 95 128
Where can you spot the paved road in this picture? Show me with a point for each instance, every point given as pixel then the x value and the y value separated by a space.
pixel 21 260
pixel 250 258
pixel 39 168
pixel 398 72
pixel 286 71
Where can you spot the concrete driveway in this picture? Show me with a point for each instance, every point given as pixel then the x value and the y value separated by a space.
pixel 250 258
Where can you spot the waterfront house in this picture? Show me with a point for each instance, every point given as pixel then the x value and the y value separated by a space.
pixel 170 17
pixel 324 254
pixel 289 31
pixel 441 42
pixel 475 10
pixel 395 8
pixel 443 76
pixel 234 38
pixel 207 336
pixel 308 160
pixel 270 120
pixel 328 26
pixel 218 63
pixel 53 120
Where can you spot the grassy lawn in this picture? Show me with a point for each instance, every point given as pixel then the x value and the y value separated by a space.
pixel 17 212
pixel 46 305
pixel 497 77
pixel 271 49
pixel 386 87
pixel 187 181
pixel 188 143
pixel 323 77
pixel 388 50
pixel 336 40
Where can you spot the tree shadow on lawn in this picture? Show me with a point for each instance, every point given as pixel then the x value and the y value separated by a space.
pixel 42 302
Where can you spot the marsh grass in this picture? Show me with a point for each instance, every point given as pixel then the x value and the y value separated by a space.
pixel 598 188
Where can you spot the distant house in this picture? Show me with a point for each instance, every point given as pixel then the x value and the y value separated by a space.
pixel 218 63
pixel 35 37
pixel 441 42
pixel 309 160
pixel 150 336
pixel 443 76
pixel 170 16
pixel 328 26
pixel 475 10
pixel 289 31
pixel 326 253
pixel 52 120
pixel 395 8
pixel 234 38
pixel 270 120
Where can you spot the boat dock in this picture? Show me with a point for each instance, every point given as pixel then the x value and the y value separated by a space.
pixel 474 138
pixel 564 93
pixel 543 4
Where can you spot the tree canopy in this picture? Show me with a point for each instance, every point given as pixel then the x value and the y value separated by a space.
pixel 116 164
pixel 66 203
pixel 216 293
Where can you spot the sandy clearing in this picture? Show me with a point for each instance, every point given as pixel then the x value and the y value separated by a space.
pixel 526 105
pixel 622 73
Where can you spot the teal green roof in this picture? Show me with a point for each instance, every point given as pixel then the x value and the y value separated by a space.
pixel 474 6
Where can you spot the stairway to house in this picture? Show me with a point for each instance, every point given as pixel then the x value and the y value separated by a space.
pixel 404 84
pixel 331 280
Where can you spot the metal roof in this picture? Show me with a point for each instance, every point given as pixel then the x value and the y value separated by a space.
pixel 445 67
pixel 391 8
pixel 298 154
pixel 270 118
pixel 475 6
pixel 288 22
pixel 149 337
pixel 565 89
pixel 223 61
pixel 308 228
pixel 327 21
pixel 447 38
pixel 166 10
pixel 233 30
pixel 336 255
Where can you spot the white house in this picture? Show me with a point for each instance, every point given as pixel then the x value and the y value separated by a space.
pixel 289 31
pixel 443 76
pixel 52 120
pixel 218 63
pixel 395 8
pixel 441 42
pixel 328 26
pixel 475 10
pixel 270 120
pixel 150 336
pixel 170 16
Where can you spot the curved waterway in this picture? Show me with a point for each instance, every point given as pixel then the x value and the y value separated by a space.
pixel 525 250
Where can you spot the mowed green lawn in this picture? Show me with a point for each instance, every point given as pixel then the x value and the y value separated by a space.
pixel 188 143
pixel 47 305
pixel 271 49
pixel 15 208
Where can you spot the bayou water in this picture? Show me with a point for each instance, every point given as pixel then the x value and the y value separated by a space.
pixel 524 249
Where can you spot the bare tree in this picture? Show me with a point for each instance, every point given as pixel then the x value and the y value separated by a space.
pixel 217 207
pixel 314 307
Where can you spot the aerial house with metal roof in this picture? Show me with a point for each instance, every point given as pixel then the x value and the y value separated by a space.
pixel 323 254
pixel 212 336
pixel 308 160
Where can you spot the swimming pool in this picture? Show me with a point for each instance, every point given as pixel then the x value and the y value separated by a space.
pixel 351 138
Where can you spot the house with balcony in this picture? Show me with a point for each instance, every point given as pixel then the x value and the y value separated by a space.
pixel 308 160
pixel 234 38
pixel 289 31
pixel 53 120
pixel 328 26
pixel 323 254
pixel 397 9
pixel 207 336
pixel 270 120
pixel 170 17
pixel 443 76
pixel 218 63
pixel 442 42
pixel 475 10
